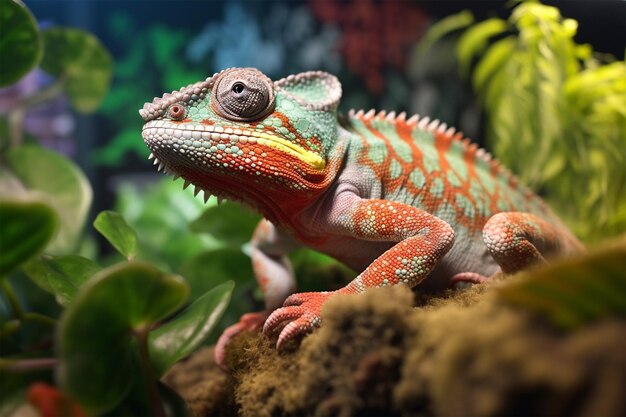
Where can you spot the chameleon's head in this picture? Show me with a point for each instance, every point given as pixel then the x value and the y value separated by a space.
pixel 241 136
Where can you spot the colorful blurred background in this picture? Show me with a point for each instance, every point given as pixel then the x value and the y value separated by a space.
pixel 370 45
pixel 541 85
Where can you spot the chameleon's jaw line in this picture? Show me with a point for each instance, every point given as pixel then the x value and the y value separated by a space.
pixel 212 139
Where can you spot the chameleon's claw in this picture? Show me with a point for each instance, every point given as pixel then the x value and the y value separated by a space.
pixel 465 280
pixel 298 298
pixel 279 316
pixel 302 314
pixel 295 329
pixel 247 322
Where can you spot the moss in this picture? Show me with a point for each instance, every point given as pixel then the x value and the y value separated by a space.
pixel 207 389
pixel 489 359
pixel 460 353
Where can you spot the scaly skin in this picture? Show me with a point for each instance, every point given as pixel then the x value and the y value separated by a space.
pixel 400 200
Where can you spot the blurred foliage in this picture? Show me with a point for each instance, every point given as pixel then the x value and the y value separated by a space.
pixel 145 66
pixel 556 112
pixel 216 250
pixel 68 191
pixel 18 27
pixel 161 213
pixel 574 292
pixel 103 335
pixel 81 61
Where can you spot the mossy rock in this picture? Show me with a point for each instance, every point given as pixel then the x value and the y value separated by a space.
pixel 464 353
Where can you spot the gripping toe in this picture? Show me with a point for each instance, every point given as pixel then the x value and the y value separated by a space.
pixel 299 316
pixel 247 322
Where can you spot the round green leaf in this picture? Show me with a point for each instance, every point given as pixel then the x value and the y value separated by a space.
pixel 226 222
pixel 27 226
pixel 61 276
pixel 182 335
pixel 63 185
pixel 95 338
pixel 82 61
pixel 115 229
pixel 20 43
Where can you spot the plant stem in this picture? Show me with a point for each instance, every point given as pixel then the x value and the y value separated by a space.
pixel 16 126
pixel 45 94
pixel 148 373
pixel 17 114
pixel 12 298
pixel 40 318
pixel 28 365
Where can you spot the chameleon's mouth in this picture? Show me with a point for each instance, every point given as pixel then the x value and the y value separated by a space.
pixel 199 137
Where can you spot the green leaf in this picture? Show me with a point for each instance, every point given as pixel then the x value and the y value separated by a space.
pixel 20 43
pixel 95 335
pixel 27 226
pixel 574 292
pixel 208 269
pixel 227 222
pixel 61 183
pixel 179 337
pixel 82 62
pixel 119 234
pixel 61 276
pixel 474 40
pixel 211 268
pixel 495 57
pixel 444 27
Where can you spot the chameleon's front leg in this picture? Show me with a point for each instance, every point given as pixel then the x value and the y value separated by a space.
pixel 274 275
pixel 422 240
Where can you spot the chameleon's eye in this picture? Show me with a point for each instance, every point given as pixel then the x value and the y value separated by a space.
pixel 177 112
pixel 242 94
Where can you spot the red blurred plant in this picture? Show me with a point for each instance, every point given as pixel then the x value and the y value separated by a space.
pixel 51 402
pixel 375 34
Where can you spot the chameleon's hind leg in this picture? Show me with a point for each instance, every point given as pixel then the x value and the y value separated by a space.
pixel 274 274
pixel 464 280
pixel 518 240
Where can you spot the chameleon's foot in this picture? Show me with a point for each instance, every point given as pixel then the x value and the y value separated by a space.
pixel 464 280
pixel 301 311
pixel 247 322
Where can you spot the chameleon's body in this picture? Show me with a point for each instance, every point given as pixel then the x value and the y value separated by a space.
pixel 396 199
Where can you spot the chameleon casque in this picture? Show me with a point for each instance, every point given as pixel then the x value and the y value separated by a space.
pixel 398 200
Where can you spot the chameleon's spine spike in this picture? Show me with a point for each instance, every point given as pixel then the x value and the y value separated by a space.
pixel 370 114
pixel 186 184
pixel 391 116
pixel 359 114
pixel 481 153
pixel 151 156
pixel 161 167
pixel 207 195
pixel 156 162
pixel 401 117
pixel 423 122
pixel 413 119
pixel 196 190
pixel 433 125
pixel 175 177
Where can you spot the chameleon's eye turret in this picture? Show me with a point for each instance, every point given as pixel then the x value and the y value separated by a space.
pixel 177 112
pixel 243 95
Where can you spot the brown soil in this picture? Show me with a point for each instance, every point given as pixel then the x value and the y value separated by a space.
pixel 465 353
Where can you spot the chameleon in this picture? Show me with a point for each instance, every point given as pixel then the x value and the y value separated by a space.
pixel 402 201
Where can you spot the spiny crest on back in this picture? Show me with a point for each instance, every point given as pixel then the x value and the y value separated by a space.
pixel 441 132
